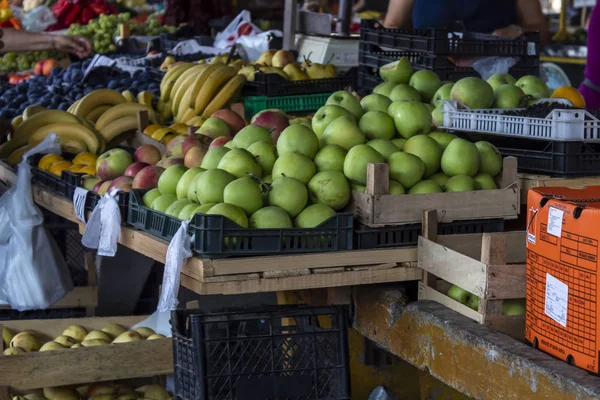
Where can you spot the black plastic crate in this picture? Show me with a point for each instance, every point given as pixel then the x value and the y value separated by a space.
pixel 45 179
pixel 275 352
pixel 158 224
pixel 408 235
pixel 72 180
pixel 451 42
pixel 274 85
pixel 216 237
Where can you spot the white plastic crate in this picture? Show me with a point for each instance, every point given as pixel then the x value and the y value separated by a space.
pixel 564 125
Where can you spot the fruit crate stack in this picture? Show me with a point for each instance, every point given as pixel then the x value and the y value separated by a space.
pixel 437 49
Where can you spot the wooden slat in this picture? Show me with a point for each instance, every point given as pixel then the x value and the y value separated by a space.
pixel 530 181
pixel 470 245
pixel 428 293
pixel 80 296
pixel 378 181
pixel 452 266
pixel 506 281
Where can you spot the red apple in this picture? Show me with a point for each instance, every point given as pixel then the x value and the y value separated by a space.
pixel 147 178
pixel 123 183
pixel 275 121
pixel 189 142
pixel 113 164
pixel 220 141
pixel 167 162
pixel 194 157
pixel 147 154
pixel 134 168
pixel 235 122
pixel 174 148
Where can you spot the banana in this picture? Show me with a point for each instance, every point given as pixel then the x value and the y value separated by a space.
pixel 17 155
pixel 123 110
pixel 146 98
pixel 72 146
pixel 212 85
pixel 194 87
pixel 228 92
pixel 24 130
pixel 196 121
pixel 196 69
pixel 166 85
pixel 119 126
pixel 128 96
pixel 31 110
pixel 98 98
pixel 71 109
pixel 164 109
pixel 16 121
pixel 183 83
pixel 186 115
pixel 97 112
pixel 68 132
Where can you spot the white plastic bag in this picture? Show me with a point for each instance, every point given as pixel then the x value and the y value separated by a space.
pixel 178 252
pixel 253 46
pixel 38 19
pixel 240 26
pixel 488 66
pixel 33 273
pixel 104 227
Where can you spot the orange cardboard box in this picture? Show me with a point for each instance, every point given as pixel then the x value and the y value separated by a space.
pixel 563 232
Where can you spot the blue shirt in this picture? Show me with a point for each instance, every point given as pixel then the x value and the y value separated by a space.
pixel 477 15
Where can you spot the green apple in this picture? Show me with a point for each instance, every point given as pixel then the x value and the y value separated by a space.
pixel 473 302
pixel 167 183
pixel 358 188
pixel 498 80
pixel 184 183
pixel 461 157
pixel 397 72
pixel 348 101
pixel 326 115
pixel 508 96
pixel 214 127
pixel 443 138
pixel 250 135
pixel 240 163
pixel 294 165
pixel 313 216
pixel 271 217
pixel 163 202
pixel 533 86
pixel 513 307
pixel 384 88
pixel 375 102
pixel 396 188
pixel 405 92
pixel 150 196
pixel 265 155
pixel 343 132
pixel 231 212
pixel 383 147
pixel 412 118
pixel 398 142
pixel 391 111
pixel 211 184
pixel 355 164
pixel 377 125
pixel 490 158
pixel 244 193
pixel 298 139
pixel 330 158
pixel 442 94
pixel 440 178
pixel 426 82
pixel 460 183
pixel 213 156
pixel 187 212
pixel 112 164
pixel 484 182
pixel 426 187
pixel 459 294
pixel 437 116
pixel 473 93
pixel 406 169
pixel 191 193
pixel 428 150
pixel 175 208
pixel 330 188
pixel 301 121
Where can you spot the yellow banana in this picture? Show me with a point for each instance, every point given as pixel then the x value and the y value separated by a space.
pixel 17 155
pixel 164 109
pixel 196 121
pixel 97 98
pixel 146 98
pixel 71 109
pixel 31 110
pixel 67 132
pixel 186 115
pixel 123 110
pixel 16 121
pixel 166 85
pixel 228 92
pixel 194 87
pixel 128 96
pixel 180 83
pixel 73 146
pixel 117 127
pixel 96 113
pixel 212 85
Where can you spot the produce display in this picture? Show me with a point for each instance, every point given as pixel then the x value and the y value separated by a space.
pixel 284 64
pixel 81 12
pixel 100 390
pixel 12 62
pixel 512 307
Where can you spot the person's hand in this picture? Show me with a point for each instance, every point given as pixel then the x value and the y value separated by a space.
pixel 511 31
pixel 77 45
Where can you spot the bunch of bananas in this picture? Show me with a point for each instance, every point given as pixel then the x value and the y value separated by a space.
pixel 193 92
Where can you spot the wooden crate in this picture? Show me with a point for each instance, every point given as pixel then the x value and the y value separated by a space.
pixel 489 265
pixel 84 365
pixel 530 181
pixel 377 208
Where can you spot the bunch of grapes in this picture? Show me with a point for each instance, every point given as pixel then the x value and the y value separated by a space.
pixel 14 62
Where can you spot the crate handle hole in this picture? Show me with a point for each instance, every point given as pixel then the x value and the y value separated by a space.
pixel 577 212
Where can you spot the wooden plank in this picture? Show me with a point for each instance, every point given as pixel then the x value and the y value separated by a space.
pixel 530 181
pixel 428 293
pixel 348 278
pixel 80 296
pixel 470 245
pixel 378 179
pixel 506 281
pixel 452 266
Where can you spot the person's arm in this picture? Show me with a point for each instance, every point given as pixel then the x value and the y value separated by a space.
pixel 359 5
pixel 529 18
pixel 399 14
pixel 19 41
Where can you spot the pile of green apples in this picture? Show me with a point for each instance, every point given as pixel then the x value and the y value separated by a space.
pixel 511 307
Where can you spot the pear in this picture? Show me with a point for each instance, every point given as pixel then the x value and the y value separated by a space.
pixel 145 332
pixel 315 70
pixel 25 340
pixel 100 388
pixel 273 70
pixel 295 72
pixel 113 329
pixel 77 332
pixel 7 336
pixel 61 393
pixel 237 64
pixel 94 342
pixel 249 71
pixel 77 346
pixel 13 350
pixel 154 392
pixel 266 58
pixel 129 336
pixel 52 346
pixel 282 58
pixel 98 335
pixel 156 336
pixel 66 341
pixel 330 71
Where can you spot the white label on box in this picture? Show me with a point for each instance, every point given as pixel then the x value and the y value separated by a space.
pixel 531 238
pixel 531 49
pixel 557 299
pixel 79 198
pixel 555 217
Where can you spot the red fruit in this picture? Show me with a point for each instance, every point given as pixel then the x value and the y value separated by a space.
pixel 235 122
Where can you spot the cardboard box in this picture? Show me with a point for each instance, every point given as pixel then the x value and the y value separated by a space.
pixel 563 232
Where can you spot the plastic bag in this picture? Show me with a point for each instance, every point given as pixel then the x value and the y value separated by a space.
pixel 381 393
pixel 488 66
pixel 178 252
pixel 33 273
pixel 38 19
pixel 104 227
pixel 240 26
pixel 251 47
